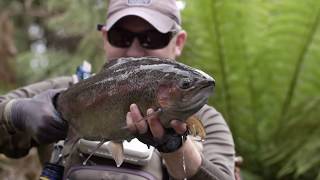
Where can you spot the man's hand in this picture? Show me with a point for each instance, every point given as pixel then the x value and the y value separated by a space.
pixel 175 160
pixel 37 117
pixel 153 133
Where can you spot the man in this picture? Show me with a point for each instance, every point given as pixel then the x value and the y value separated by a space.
pixel 134 28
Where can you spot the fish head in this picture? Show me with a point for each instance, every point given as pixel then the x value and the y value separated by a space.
pixel 184 93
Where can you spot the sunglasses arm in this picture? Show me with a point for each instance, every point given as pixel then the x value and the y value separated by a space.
pixel 101 27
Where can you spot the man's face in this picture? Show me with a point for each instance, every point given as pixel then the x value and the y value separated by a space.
pixel 137 25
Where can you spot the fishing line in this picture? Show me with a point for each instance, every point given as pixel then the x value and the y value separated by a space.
pixel 95 149
pixel 184 164
pixel 155 113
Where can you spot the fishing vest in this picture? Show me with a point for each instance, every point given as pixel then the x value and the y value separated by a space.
pixel 101 167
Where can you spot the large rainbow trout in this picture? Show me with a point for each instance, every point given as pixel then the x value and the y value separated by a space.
pixel 96 108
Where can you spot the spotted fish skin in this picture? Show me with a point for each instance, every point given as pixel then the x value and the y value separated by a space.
pixel 96 108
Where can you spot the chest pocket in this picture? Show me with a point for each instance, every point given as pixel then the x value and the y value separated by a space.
pixel 106 173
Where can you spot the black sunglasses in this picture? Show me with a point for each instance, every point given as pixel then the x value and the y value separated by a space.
pixel 149 39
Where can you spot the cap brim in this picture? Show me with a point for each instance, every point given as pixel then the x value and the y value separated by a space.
pixel 161 22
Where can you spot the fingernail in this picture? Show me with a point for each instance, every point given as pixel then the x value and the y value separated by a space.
pixel 149 111
pixel 132 106
pixel 128 115
pixel 173 122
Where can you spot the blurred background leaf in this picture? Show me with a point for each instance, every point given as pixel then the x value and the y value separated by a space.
pixel 264 55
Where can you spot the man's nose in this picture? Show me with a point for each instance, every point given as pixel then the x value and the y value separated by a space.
pixel 135 50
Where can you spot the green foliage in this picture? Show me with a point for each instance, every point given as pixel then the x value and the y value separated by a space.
pixel 77 17
pixel 264 58
pixel 70 34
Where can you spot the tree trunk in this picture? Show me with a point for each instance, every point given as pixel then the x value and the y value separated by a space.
pixel 7 48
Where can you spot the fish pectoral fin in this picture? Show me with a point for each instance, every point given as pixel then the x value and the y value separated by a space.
pixel 195 127
pixel 117 153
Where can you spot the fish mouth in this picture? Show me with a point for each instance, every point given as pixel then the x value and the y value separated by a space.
pixel 204 87
pixel 206 84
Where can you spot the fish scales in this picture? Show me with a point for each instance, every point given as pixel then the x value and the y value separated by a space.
pixel 96 108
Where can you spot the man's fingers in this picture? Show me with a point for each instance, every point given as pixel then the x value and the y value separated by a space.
pixel 155 125
pixel 141 126
pixel 135 124
pixel 131 126
pixel 179 126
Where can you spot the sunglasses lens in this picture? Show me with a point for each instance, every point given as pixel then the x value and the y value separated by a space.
pixel 153 39
pixel 120 38
pixel 150 39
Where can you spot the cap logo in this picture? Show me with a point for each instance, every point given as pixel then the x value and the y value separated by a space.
pixel 139 2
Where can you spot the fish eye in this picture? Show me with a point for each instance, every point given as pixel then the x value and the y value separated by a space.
pixel 185 84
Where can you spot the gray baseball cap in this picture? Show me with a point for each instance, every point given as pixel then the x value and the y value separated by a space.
pixel 164 15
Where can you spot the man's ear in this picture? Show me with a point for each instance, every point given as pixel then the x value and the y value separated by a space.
pixel 104 35
pixel 180 42
pixel 105 38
